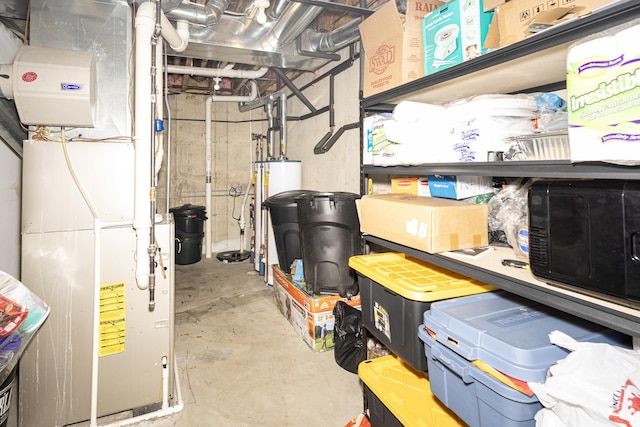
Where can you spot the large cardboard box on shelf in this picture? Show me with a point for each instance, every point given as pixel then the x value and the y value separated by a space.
pixel 515 17
pixel 307 314
pixel 393 45
pixel 489 5
pixel 428 224
pixel 453 33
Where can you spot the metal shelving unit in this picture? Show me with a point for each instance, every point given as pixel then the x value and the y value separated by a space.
pixel 622 318
pixel 525 169
pixel 538 62
pixel 534 64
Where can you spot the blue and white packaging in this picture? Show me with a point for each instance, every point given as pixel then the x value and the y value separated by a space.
pixel 453 33
pixel 459 187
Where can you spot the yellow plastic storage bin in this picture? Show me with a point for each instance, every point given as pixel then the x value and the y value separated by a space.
pixel 397 395
pixel 396 290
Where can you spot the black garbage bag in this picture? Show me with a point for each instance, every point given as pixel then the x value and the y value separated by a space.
pixel 349 347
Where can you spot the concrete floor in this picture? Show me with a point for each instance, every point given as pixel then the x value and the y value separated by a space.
pixel 241 363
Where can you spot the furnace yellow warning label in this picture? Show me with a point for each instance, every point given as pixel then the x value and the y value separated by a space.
pixel 112 318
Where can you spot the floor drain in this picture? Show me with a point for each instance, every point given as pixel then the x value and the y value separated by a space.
pixel 233 256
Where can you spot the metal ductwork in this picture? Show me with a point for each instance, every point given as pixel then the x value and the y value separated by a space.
pixel 259 102
pixel 332 41
pixel 276 9
pixel 240 39
pixel 167 5
pixel 295 19
pixel 207 15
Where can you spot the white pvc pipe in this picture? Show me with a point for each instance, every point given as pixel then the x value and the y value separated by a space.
pixel 144 28
pixel 159 146
pixel 97 232
pixel 237 98
pixel 207 142
pixel 218 72
pixel 165 383
pixel 178 38
pixel 207 178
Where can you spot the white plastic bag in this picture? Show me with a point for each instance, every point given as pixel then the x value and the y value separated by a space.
pixel 595 385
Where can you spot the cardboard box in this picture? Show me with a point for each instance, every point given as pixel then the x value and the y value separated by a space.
pixel 428 224
pixel 459 187
pixel 417 10
pixel 417 186
pixel 393 45
pixel 307 314
pixel 489 5
pixel 454 33
pixel 514 17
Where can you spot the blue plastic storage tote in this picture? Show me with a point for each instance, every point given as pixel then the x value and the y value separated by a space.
pixel 473 395
pixel 510 333
pixel 508 337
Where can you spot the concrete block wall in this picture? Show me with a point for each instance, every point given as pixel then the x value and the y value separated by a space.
pixel 233 151
pixel 339 168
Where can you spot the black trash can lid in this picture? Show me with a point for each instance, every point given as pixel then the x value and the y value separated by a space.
pixel 337 195
pixel 188 209
pixel 284 198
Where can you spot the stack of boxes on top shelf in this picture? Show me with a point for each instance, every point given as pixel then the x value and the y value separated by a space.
pixel 436 34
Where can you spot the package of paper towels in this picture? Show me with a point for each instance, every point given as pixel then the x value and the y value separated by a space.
pixel 603 96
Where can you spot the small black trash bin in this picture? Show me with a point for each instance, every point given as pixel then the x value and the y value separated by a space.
pixel 188 247
pixel 189 220
pixel 283 212
pixel 329 235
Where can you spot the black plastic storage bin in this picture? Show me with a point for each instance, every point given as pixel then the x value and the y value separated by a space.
pixel 329 235
pixel 189 220
pixel 188 247
pixel 379 414
pixel 283 212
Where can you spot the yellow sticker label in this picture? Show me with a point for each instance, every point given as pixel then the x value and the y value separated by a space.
pixel 112 328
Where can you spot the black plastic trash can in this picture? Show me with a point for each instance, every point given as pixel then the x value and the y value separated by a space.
pixel 189 221
pixel 188 247
pixel 329 235
pixel 283 212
